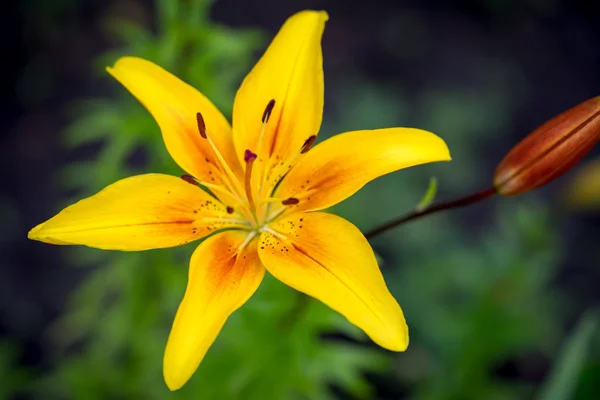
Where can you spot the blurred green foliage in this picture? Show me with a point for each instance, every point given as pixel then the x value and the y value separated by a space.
pixel 564 378
pixel 475 297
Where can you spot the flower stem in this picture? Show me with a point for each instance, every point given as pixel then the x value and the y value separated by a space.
pixel 462 202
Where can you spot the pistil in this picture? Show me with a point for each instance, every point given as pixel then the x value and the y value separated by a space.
pixel 249 158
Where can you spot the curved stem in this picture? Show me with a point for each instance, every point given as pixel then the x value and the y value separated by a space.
pixel 462 202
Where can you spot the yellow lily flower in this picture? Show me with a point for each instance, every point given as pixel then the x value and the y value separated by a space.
pixel 266 186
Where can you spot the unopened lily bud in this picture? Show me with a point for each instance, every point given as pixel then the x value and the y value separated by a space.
pixel 551 150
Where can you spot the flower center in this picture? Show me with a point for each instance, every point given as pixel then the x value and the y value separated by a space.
pixel 252 199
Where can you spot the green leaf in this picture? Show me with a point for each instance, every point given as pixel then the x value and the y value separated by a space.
pixel 563 379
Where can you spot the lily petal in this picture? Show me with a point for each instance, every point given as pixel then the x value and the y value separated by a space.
pixel 138 213
pixel 291 73
pixel 337 168
pixel 174 105
pixel 328 258
pixel 221 279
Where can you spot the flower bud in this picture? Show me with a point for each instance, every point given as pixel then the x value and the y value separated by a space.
pixel 550 150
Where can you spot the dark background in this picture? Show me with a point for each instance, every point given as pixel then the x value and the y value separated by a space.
pixel 551 50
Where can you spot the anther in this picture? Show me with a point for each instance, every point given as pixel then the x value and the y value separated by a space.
pixel 201 125
pixel 268 110
pixel 249 156
pixel 189 179
pixel 290 202
pixel 229 210
pixel 308 144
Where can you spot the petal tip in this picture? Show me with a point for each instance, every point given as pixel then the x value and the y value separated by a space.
pixel 172 384
pixel 173 380
pixel 397 338
pixel 321 14
pixel 34 233
pixel 127 62
pixel 444 151
pixel 40 234
pixel 400 343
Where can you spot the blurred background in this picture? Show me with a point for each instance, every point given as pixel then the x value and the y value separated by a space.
pixel 501 297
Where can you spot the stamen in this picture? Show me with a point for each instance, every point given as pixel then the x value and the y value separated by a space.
pixel 246 241
pixel 239 222
pixel 274 200
pixel 231 178
pixel 268 110
pixel 308 144
pixel 222 194
pixel 249 158
pixel 282 169
pixel 196 182
pixel 276 214
pixel 290 202
pixel 265 118
pixel 229 210
pixel 274 233
pixel 201 125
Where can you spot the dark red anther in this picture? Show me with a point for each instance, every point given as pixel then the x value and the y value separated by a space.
pixel 268 110
pixel 290 202
pixel 229 210
pixel 308 144
pixel 249 156
pixel 189 179
pixel 201 125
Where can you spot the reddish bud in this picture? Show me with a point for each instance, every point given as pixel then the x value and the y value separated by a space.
pixel 551 150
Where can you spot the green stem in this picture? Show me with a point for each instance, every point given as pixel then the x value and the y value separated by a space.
pixel 462 202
